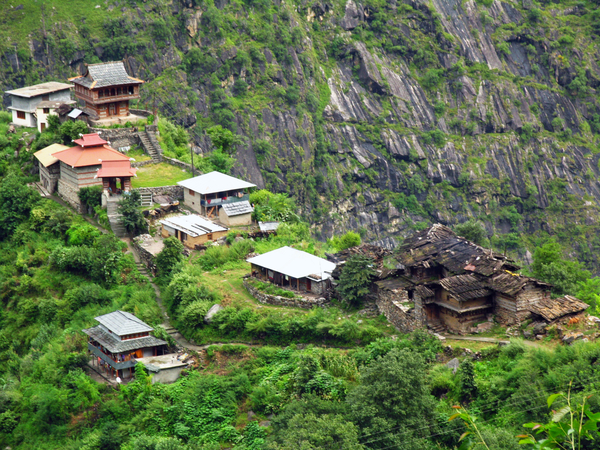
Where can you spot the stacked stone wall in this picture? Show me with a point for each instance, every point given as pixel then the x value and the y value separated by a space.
pixel 303 302
pixel 181 165
pixel 69 194
pixel 145 256
pixel 172 191
pixel 394 306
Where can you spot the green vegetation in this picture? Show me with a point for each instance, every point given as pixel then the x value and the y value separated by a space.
pixel 161 174
pixel 355 279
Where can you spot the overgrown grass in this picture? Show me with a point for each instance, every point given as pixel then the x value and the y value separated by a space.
pixel 162 174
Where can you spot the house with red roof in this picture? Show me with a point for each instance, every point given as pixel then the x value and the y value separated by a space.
pixel 92 162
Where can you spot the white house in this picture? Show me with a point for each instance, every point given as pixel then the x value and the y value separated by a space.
pixel 208 193
pixel 46 108
pixel 24 101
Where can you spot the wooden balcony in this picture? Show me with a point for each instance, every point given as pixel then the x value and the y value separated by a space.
pixel 107 359
pixel 224 200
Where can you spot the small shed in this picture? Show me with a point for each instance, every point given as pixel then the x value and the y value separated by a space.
pixel 294 269
pixel 48 165
pixel 192 230
pixel 233 214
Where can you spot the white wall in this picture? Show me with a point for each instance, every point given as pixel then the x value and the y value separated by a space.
pixel 29 120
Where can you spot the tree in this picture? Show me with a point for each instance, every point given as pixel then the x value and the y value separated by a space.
pixel 468 388
pixel 355 279
pixel 16 202
pixel 170 256
pixel 473 230
pixel 565 275
pixel 311 432
pixel 221 161
pixel 393 400
pixel 71 130
pixel 132 219
pixel 350 239
pixel 223 139
pixel 90 196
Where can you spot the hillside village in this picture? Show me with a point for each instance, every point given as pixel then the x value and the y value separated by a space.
pixel 216 269
pixel 438 281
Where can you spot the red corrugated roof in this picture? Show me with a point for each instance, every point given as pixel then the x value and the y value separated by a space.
pixel 89 156
pixel 90 140
pixel 116 169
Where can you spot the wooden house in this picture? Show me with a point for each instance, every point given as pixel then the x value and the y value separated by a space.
pixel 293 269
pixel 105 91
pixel 49 166
pixel 80 167
pixel 208 193
pixel 119 340
pixel 192 230
pixel 24 101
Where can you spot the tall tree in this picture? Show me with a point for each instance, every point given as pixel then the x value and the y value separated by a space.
pixel 16 202
pixel 355 279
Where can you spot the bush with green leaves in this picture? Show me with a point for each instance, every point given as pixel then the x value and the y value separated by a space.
pixel 350 239
pixel 355 279
pixel 170 256
pixel 132 218
pixel 473 230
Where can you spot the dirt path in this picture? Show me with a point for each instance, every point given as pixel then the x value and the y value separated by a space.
pixel 476 339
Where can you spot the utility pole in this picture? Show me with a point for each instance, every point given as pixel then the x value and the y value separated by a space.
pixel 192 155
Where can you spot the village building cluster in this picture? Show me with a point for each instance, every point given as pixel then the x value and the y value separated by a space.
pixel 446 283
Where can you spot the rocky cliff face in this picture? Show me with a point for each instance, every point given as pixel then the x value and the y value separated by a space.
pixel 381 116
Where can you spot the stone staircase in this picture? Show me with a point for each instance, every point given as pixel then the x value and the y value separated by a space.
pixel 114 219
pixel 150 145
pixel 437 327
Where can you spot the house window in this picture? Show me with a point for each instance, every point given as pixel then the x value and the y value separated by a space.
pixel 21 115
pixel 101 93
pixel 46 110
pixel 209 236
pixel 130 90
pixel 191 192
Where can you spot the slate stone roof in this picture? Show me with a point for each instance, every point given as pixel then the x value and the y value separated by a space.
pixel 465 287
pixel 114 345
pixel 105 74
pixel 551 309
pixel 123 323
pixel 237 208
pixel 439 245
pixel 510 283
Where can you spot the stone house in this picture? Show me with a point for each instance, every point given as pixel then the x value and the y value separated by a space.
pixel 49 166
pixel 105 90
pixel 293 269
pixel 192 230
pixel 24 102
pixel 80 166
pixel 119 341
pixel 208 193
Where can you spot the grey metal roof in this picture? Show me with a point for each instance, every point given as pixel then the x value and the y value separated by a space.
pixel 114 345
pixel 75 113
pixel 39 89
pixel 213 182
pixel 193 225
pixel 122 323
pixel 268 226
pixel 295 263
pixel 105 74
pixel 237 208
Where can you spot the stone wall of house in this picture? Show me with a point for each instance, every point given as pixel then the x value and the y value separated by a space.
pixel 69 194
pixel 395 306
pixel 175 192
pixel 527 297
pixel 302 302
pixel 145 256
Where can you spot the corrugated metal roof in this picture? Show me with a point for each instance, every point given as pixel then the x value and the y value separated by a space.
pixel 114 345
pixel 122 323
pixel 44 156
pixel 294 263
pixel 213 182
pixel 268 226
pixel 75 113
pixel 39 89
pixel 238 208
pixel 193 225
pixel 105 74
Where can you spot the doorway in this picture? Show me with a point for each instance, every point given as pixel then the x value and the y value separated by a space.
pixel 111 109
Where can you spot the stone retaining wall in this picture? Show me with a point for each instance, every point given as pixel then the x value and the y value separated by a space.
pixel 146 257
pixel 181 165
pixel 302 302
pixel 140 112
pixel 119 138
pixel 141 163
pixel 172 191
